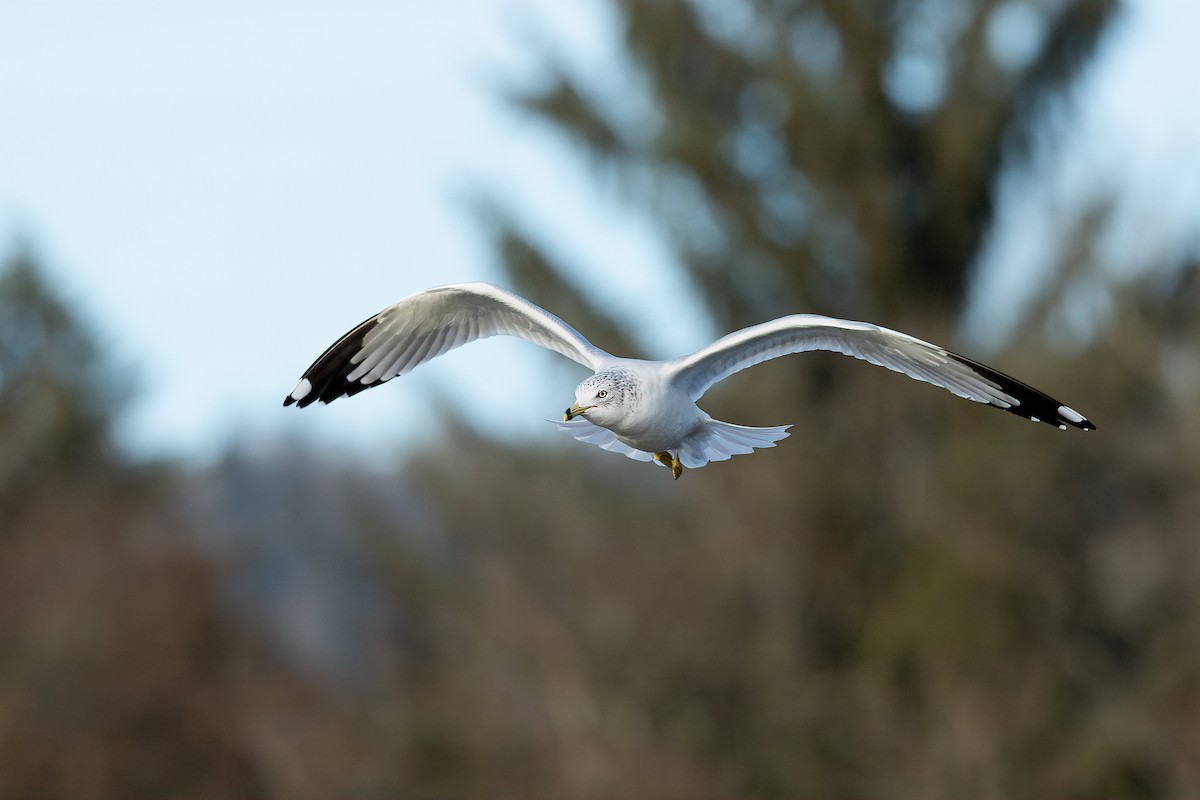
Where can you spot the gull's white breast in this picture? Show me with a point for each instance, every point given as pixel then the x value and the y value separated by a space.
pixel 660 414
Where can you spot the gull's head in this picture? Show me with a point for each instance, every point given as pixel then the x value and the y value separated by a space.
pixel 600 399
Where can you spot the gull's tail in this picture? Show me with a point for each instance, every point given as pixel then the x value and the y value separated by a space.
pixel 717 441
pixel 712 441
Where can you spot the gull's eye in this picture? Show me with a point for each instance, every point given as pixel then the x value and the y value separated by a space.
pixel 603 393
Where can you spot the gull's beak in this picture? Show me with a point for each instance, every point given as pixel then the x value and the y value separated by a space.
pixel 574 411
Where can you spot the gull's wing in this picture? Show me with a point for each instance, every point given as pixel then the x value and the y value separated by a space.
pixel 886 348
pixel 426 325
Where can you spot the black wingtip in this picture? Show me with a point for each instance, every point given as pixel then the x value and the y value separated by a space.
pixel 325 379
pixel 1031 404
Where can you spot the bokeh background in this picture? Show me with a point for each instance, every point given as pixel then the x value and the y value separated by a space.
pixel 415 593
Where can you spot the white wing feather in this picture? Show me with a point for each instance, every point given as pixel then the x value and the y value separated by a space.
pixel 585 431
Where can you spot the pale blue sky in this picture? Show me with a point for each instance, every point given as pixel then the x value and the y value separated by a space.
pixel 226 187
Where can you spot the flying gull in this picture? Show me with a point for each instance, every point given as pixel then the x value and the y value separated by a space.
pixel 647 409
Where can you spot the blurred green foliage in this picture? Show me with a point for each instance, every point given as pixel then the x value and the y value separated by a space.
pixel 912 597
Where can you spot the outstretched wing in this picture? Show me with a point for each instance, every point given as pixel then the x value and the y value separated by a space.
pixel 881 346
pixel 426 325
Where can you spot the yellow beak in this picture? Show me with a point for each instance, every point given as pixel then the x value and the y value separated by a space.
pixel 574 411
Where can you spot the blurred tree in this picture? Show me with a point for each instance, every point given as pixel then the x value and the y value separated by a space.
pixel 116 674
pixel 57 394
pixel 833 155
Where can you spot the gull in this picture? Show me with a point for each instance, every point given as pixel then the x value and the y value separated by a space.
pixel 647 410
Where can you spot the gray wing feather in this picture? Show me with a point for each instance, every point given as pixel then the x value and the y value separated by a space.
pixel 884 347
pixel 428 324
pixel 805 332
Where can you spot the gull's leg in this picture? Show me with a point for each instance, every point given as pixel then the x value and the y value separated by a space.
pixel 670 460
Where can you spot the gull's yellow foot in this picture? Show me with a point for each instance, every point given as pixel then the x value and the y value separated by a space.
pixel 670 460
